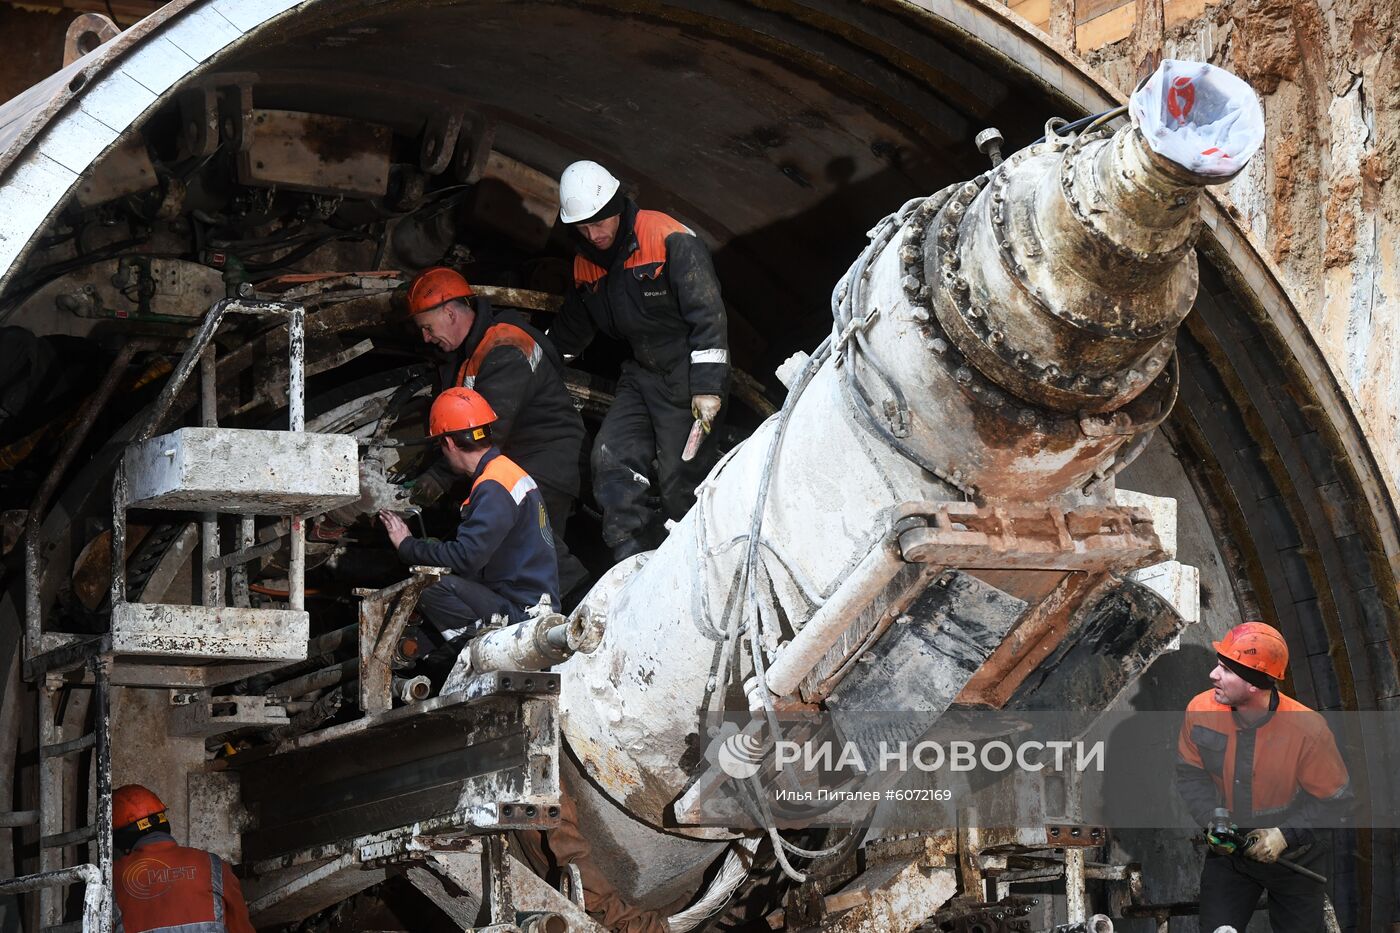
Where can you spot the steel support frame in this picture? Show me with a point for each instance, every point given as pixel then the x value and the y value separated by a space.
pixel 33 561
pixel 383 614
pixel 511 891
pixel 195 354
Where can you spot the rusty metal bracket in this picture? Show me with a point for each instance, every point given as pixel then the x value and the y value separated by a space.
pixel 1067 834
pixel 1007 537
pixel 199 122
pixel 439 141
pixel 383 614
pixel 473 147
pixel 236 116
pixel 502 904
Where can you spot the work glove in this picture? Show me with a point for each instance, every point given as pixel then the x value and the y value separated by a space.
pixel 1265 845
pixel 705 408
pixel 427 489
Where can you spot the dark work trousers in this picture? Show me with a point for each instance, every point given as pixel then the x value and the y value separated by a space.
pixel 649 420
pixel 559 505
pixel 455 603
pixel 1231 885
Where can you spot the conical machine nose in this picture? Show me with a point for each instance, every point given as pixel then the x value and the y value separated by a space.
pixel 1065 278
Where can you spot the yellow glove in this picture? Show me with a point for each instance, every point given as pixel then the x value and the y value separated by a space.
pixel 1265 845
pixel 705 408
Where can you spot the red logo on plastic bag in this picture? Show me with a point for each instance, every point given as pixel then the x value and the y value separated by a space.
pixel 1181 97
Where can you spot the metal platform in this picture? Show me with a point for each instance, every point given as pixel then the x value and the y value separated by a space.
pixel 191 634
pixel 236 470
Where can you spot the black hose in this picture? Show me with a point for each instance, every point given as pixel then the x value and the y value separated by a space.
pixel 1078 124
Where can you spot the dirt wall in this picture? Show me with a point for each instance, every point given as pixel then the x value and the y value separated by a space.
pixel 1322 195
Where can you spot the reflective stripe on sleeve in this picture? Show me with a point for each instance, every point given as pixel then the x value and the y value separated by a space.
pixel 709 356
pixel 522 488
pixel 216 883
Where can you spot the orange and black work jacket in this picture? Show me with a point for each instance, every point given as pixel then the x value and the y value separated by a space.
pixel 519 373
pixel 658 291
pixel 1282 771
pixel 504 540
pixel 164 886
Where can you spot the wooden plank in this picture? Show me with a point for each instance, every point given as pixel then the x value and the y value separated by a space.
pixel 1036 12
pixel 1087 10
pixel 1111 27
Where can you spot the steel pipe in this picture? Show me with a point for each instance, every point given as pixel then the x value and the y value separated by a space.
pixel 212 575
pixel 865 582
pixel 15 819
pixel 532 645
pixel 346 670
pixel 62 877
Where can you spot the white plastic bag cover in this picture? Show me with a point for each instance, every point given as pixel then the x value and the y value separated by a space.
pixel 1201 117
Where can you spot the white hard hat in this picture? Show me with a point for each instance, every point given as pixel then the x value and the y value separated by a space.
pixel 584 189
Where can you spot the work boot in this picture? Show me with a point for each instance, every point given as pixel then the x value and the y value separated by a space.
pixel 627 548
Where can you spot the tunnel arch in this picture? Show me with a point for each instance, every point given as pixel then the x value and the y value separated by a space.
pixel 801 124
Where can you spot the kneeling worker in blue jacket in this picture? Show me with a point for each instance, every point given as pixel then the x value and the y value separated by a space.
pixel 502 559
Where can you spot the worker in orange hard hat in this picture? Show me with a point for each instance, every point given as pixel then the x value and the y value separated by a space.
pixel 502 559
pixel 520 374
pixel 1273 764
pixel 159 884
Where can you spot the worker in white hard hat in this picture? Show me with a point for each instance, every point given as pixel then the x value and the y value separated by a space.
pixel 644 277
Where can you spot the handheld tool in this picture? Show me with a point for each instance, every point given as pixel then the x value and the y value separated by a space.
pixel 1223 834
pixel 693 442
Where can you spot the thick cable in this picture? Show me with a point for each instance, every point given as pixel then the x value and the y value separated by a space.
pixel 730 875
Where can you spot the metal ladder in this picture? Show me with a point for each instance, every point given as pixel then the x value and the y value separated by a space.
pixel 54 838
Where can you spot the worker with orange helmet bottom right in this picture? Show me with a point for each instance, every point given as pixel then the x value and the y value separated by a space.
pixel 1273 764
pixel 160 886
pixel 502 559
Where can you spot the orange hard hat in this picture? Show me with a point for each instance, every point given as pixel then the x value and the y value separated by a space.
pixel 1256 646
pixel 435 287
pixel 132 802
pixel 460 410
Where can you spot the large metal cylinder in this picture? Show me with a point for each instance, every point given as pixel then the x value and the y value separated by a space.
pixel 1010 338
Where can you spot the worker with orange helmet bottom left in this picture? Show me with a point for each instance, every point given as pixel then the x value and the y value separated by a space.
pixel 502 559
pixel 1273 764
pixel 160 885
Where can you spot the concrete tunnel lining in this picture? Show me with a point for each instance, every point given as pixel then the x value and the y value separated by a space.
pixel 1248 339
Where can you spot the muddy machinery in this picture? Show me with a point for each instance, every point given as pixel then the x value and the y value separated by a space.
pixel 930 521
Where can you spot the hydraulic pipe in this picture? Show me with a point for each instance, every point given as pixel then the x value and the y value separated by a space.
pixel 346 670
pixel 799 656
pixel 532 645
